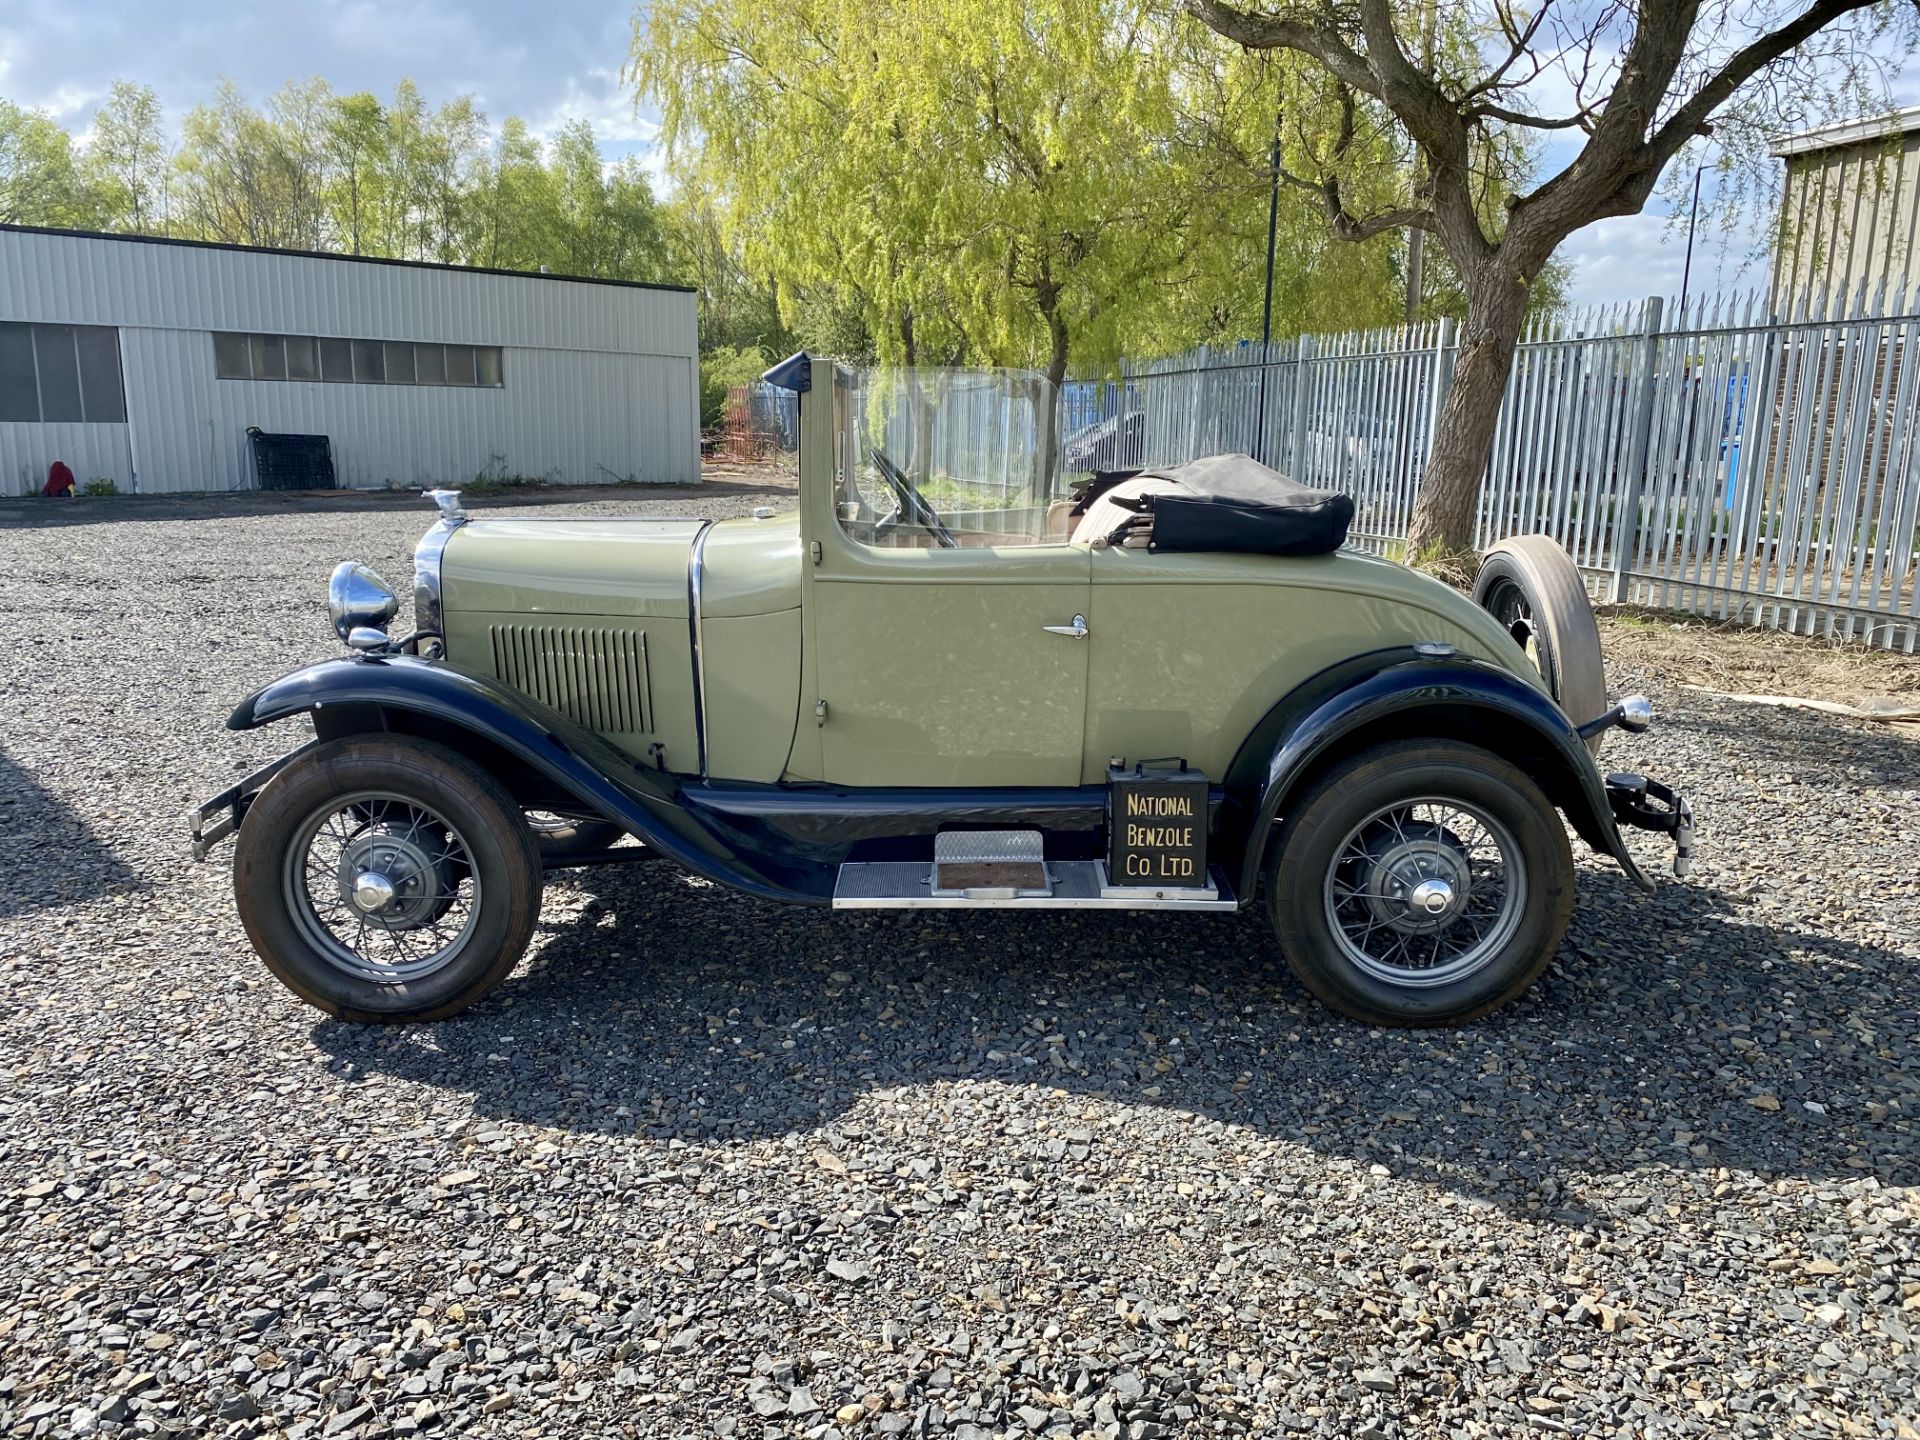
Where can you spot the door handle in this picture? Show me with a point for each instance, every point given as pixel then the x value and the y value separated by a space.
pixel 1076 631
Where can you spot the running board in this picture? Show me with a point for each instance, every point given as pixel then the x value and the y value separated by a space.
pixel 1073 885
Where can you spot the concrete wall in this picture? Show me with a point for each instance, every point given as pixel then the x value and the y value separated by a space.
pixel 599 380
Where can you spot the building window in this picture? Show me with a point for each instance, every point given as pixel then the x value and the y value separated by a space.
pixel 56 373
pixel 356 362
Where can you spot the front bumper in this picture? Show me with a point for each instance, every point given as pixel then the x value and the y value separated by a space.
pixel 1644 804
pixel 214 821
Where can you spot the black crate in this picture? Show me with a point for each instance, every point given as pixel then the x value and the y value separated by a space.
pixel 292 462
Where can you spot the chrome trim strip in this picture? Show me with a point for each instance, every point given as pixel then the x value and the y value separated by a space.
pixel 428 612
pixel 696 630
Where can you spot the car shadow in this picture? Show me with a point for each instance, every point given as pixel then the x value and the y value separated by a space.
pixel 49 856
pixel 1681 1031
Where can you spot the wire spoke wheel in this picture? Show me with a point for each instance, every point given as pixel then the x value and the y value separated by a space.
pixel 384 878
pixel 1422 882
pixel 1508 604
pixel 1425 892
pixel 384 888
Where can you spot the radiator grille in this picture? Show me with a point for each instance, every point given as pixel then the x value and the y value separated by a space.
pixel 594 674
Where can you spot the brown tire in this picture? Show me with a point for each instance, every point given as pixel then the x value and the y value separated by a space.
pixel 1532 587
pixel 387 879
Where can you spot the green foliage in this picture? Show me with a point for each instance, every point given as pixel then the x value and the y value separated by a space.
pixel 100 485
pixel 315 170
pixel 1017 182
pixel 40 184
pixel 125 163
pixel 722 368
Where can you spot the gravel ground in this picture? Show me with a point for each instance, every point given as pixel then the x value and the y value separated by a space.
pixel 710 1167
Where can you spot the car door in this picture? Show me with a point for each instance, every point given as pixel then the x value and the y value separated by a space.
pixel 951 667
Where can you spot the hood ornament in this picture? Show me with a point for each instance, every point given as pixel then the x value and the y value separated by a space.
pixel 449 503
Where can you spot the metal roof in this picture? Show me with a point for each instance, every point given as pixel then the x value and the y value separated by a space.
pixel 334 255
pixel 1849 132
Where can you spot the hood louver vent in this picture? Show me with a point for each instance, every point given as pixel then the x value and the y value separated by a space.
pixel 593 674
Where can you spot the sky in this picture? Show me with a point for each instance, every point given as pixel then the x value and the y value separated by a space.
pixel 553 62
pixel 545 62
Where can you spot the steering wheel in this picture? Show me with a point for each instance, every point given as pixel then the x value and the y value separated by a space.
pixel 909 503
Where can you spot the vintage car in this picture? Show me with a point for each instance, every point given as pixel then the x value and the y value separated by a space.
pixel 1174 690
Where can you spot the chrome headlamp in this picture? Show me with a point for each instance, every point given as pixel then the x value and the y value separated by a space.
pixel 359 601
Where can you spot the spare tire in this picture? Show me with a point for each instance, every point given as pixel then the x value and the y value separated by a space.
pixel 1532 587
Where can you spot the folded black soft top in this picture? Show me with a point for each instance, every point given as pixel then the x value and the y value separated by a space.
pixel 1231 503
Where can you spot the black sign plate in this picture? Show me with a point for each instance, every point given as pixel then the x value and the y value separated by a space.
pixel 1157 827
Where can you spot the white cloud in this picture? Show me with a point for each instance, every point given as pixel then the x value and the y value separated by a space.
pixel 559 64
pixel 1635 256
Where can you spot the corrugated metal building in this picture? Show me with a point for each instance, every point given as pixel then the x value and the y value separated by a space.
pixel 1849 209
pixel 147 361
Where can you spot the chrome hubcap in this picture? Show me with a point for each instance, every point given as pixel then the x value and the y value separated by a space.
pixel 372 892
pixel 1433 898
pixel 1425 892
pixel 1416 877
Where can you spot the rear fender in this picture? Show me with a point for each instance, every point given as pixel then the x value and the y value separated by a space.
pixel 1400 694
pixel 543 754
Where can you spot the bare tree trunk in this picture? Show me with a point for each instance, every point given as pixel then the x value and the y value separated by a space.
pixel 1050 402
pixel 1444 513
pixel 920 462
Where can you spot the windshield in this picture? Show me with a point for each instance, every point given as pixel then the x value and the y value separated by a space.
pixel 949 458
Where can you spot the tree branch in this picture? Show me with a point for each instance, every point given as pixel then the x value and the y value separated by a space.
pixel 1521 117
pixel 1274 32
pixel 1691 118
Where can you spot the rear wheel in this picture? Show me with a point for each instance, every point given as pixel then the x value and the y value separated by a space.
pixel 1532 587
pixel 386 879
pixel 1421 883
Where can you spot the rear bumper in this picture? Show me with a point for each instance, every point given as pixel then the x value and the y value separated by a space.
pixel 1642 804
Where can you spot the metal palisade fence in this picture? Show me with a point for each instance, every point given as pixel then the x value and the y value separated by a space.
pixel 1739 461
pixel 1732 461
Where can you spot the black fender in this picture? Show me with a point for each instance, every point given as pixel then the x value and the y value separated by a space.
pixel 436 700
pixel 1403 694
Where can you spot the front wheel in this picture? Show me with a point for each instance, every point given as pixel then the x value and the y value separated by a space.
pixel 386 879
pixel 1421 883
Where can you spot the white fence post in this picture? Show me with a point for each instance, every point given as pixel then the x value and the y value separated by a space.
pixel 1626 524
pixel 1446 351
pixel 1297 439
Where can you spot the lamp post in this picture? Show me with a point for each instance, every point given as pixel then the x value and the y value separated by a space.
pixel 1693 219
pixel 1266 306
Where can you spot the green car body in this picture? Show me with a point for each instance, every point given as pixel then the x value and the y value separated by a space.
pixel 934 666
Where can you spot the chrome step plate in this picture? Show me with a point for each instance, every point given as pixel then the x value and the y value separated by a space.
pixel 989 864
pixel 1074 885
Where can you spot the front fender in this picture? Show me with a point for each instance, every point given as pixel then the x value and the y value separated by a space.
pixel 384 691
pixel 1401 694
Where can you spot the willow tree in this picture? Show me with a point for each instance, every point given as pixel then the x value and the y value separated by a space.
pixel 1636 83
pixel 1018 182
